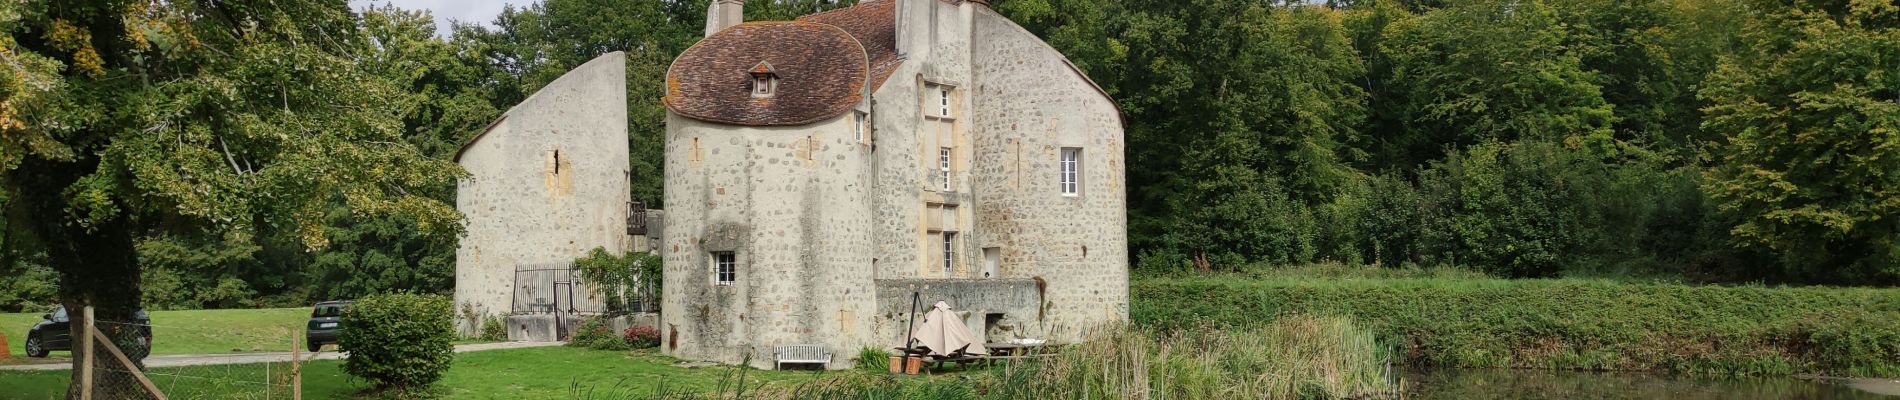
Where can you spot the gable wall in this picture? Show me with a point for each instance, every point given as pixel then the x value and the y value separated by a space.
pixel 519 210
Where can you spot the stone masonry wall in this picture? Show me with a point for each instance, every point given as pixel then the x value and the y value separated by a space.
pixel 1031 104
pixel 547 183
pixel 790 203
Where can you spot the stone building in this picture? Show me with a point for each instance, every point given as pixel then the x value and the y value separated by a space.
pixel 548 182
pixel 821 170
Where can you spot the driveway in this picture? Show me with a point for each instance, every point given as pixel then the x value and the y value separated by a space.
pixel 192 360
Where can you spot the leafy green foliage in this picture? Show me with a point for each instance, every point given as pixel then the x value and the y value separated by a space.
pixel 30 286
pixel 598 334
pixel 400 342
pixel 1811 115
pixel 642 336
pixel 621 278
pixel 1569 323
pixel 494 329
pixel 872 359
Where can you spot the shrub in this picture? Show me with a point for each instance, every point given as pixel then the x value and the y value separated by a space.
pixel 398 341
pixel 494 329
pixel 642 337
pixel 874 360
pixel 594 333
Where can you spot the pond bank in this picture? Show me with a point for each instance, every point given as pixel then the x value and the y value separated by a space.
pixel 1582 324
pixel 1449 384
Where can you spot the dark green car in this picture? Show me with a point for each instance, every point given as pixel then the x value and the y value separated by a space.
pixel 326 321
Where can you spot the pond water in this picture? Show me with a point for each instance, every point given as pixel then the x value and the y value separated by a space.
pixel 1540 384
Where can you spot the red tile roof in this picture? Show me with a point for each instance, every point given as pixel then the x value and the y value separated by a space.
pixel 874 24
pixel 708 81
pixel 821 74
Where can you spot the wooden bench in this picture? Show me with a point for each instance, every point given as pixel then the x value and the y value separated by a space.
pixel 802 354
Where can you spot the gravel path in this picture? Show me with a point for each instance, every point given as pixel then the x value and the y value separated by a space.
pixel 192 360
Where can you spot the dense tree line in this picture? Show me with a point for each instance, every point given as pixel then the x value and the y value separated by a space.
pixel 1716 140
pixel 1712 140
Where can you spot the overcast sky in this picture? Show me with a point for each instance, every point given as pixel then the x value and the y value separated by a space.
pixel 483 11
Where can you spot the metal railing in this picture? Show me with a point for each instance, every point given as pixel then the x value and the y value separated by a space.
pixel 559 288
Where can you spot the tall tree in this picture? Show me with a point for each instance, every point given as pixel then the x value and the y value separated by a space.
pixel 1486 70
pixel 1811 114
pixel 126 117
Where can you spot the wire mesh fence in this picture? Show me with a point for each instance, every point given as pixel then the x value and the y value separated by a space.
pixel 123 366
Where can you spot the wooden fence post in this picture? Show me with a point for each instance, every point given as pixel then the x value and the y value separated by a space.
pixel 86 356
pixel 296 369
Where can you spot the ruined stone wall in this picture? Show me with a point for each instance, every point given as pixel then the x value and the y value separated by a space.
pixel 547 183
pixel 1031 103
pixel 791 204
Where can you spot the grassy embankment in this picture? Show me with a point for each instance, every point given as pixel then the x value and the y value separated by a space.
pixel 195 331
pixel 1444 318
pixel 534 373
pixel 1296 357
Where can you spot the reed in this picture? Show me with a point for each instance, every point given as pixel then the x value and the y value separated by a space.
pixel 1303 357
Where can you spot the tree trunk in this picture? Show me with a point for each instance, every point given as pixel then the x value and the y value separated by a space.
pixel 97 265
pixel 100 268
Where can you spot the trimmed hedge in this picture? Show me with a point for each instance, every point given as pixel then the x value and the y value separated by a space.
pixel 1564 323
pixel 398 341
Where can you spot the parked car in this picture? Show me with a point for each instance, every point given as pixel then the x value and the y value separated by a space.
pixel 326 321
pixel 54 333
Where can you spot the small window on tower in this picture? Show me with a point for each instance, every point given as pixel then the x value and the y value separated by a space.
pixel 725 268
pixel 936 101
pixel 943 167
pixel 949 253
pixel 858 122
pixel 1071 178
pixel 764 80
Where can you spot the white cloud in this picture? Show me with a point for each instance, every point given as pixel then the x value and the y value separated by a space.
pixel 477 11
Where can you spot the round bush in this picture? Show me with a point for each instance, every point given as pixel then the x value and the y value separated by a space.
pixel 596 333
pixel 398 341
pixel 643 337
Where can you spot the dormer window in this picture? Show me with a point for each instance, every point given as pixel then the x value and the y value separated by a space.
pixel 764 80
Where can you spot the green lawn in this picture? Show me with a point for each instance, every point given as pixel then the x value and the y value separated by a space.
pixel 535 373
pixel 196 331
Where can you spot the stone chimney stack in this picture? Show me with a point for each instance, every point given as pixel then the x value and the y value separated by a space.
pixel 915 19
pixel 724 14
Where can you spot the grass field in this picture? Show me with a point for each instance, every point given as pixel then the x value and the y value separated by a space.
pixel 1297 357
pixel 1436 319
pixel 194 331
pixel 534 373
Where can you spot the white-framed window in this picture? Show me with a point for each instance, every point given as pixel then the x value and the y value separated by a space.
pixel 858 121
pixel 725 268
pixel 1071 171
pixel 943 167
pixel 761 85
pixel 949 252
pixel 936 99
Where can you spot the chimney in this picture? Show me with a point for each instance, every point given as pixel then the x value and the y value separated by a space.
pixel 915 19
pixel 724 14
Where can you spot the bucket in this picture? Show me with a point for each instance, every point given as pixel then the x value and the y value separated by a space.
pixel 899 366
